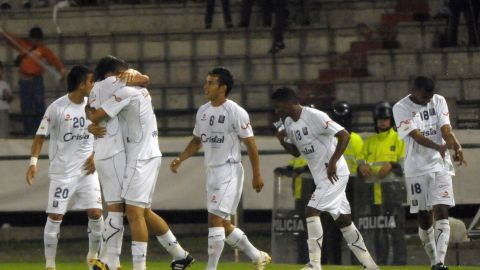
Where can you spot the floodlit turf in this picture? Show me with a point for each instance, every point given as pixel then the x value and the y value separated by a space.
pixel 223 266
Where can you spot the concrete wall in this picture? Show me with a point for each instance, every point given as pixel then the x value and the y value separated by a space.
pixel 186 190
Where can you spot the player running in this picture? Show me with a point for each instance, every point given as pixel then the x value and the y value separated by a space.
pixel 309 132
pixel 138 126
pixel 72 170
pixel 423 122
pixel 220 127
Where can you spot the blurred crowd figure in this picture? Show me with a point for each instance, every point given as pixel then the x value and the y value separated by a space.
pixel 227 15
pixel 5 100
pixel 266 7
pixel 278 13
pixel 32 52
pixel 470 10
pixel 451 11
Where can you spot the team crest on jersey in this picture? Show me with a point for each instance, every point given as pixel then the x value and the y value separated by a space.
pixel 392 148
pixel 431 111
pixel 221 119
pixel 214 199
pixel 305 130
pixel 68 117
pixel 204 117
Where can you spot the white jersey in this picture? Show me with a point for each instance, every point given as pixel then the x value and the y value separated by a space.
pixel 314 136
pixel 112 141
pixel 70 143
pixel 428 119
pixel 220 130
pixel 133 105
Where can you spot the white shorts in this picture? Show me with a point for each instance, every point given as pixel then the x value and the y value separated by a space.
pixel 224 189
pixel 111 173
pixel 331 198
pixel 82 192
pixel 139 183
pixel 425 191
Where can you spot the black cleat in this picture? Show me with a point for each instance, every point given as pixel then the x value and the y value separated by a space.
pixel 440 266
pixel 183 263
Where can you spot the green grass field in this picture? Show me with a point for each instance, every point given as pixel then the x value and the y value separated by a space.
pixel 223 266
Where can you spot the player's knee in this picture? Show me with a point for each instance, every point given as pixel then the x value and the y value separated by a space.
pixel 344 221
pixel 425 219
pixel 94 213
pixel 311 212
pixel 440 212
pixel 56 217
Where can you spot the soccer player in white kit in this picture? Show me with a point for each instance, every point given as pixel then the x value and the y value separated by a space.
pixel 110 156
pixel 309 132
pixel 423 122
pixel 220 127
pixel 72 171
pixel 133 107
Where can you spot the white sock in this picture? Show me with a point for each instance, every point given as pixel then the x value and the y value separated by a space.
pixel 315 240
pixel 50 241
pixel 428 241
pixel 442 235
pixel 357 246
pixel 216 237
pixel 112 239
pixel 95 230
pixel 238 239
pixel 170 243
pixel 139 255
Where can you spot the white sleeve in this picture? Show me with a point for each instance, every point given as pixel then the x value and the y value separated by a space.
pixel 92 98
pixel 323 124
pixel 403 121
pixel 443 113
pixel 116 103
pixel 241 124
pixel 48 122
pixel 196 131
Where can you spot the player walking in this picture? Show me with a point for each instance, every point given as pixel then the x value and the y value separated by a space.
pixel 220 126
pixel 423 122
pixel 309 132
pixel 72 171
pixel 138 125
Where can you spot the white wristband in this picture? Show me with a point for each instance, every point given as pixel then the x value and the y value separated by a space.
pixel 33 161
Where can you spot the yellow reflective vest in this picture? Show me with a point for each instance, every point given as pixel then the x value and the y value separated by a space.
pixel 353 152
pixel 382 148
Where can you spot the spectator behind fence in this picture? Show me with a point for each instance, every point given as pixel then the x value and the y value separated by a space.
pixel 32 52
pixel 470 10
pixel 5 99
pixel 227 16
pixel 266 7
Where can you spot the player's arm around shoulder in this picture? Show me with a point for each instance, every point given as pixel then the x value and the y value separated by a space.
pixel 35 152
pixel 257 181
pixel 95 115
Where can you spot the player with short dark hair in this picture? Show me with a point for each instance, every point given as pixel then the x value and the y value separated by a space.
pixel 139 135
pixel 221 126
pixel 309 132
pixel 72 170
pixel 423 122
